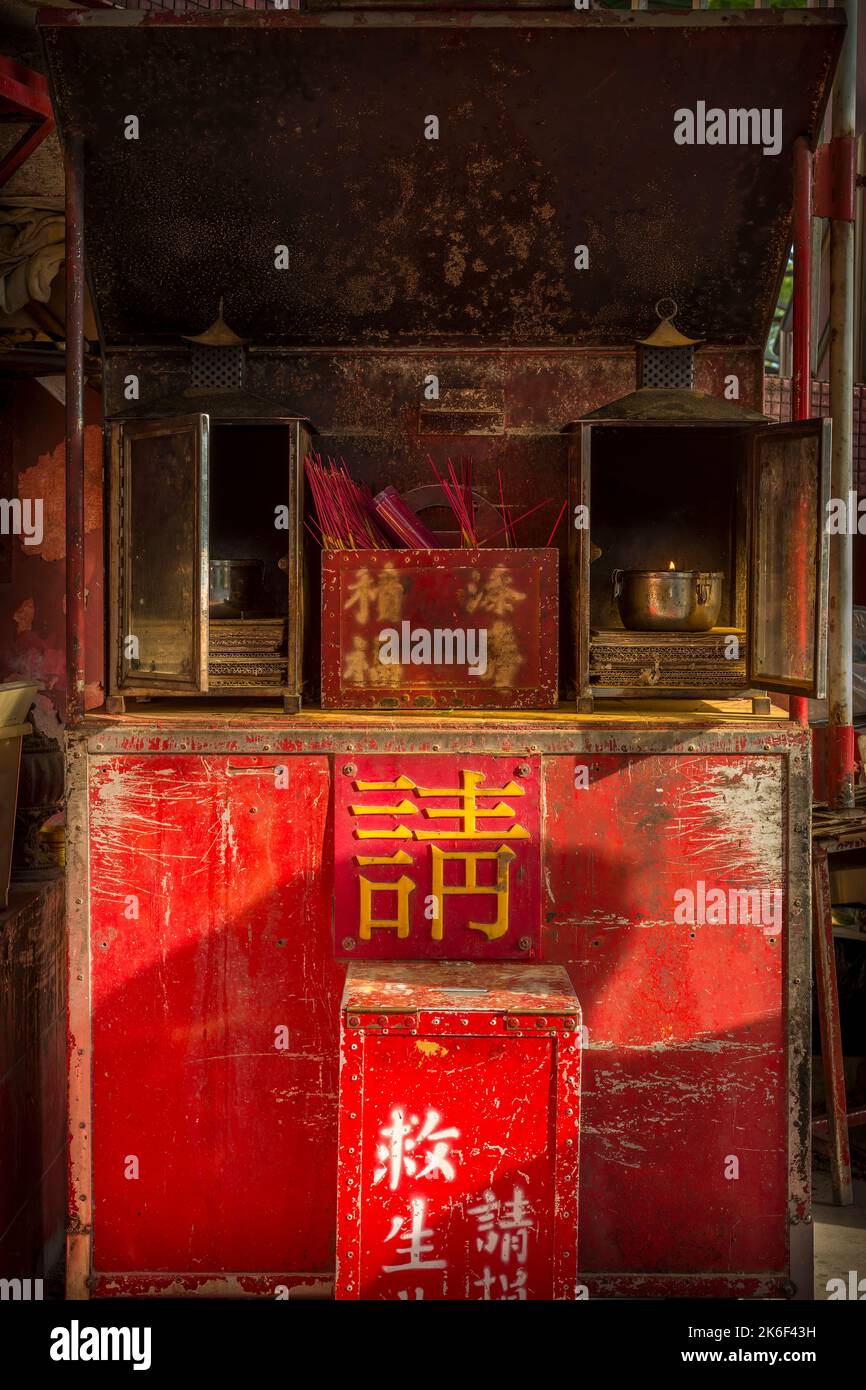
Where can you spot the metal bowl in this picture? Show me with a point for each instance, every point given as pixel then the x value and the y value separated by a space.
pixel 668 600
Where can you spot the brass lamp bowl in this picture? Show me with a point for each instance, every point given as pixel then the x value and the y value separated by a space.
pixel 668 600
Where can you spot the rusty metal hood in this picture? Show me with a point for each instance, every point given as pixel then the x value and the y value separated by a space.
pixel 665 403
pixel 556 129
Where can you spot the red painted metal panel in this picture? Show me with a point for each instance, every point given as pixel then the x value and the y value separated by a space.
pixel 459 1103
pixel 686 1065
pixel 499 608
pixel 685 1059
pixel 438 856
pixel 214 1015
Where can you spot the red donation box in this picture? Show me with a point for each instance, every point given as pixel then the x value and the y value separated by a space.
pixel 458 1138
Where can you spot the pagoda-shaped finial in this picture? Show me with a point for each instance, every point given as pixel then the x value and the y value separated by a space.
pixel 666 359
pixel 218 335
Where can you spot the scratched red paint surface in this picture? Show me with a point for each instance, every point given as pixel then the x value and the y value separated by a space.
pixel 454 845
pixel 459 1101
pixel 235 1139
pixel 686 1058
pixel 685 1064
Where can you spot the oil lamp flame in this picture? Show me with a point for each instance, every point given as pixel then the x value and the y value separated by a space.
pixel 671 566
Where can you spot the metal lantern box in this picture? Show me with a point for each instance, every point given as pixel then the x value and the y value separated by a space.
pixel 458 1133
pixel 440 629
pixel 196 499
pixel 747 501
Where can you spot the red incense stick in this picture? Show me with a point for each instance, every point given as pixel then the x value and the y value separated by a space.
pixel 556 523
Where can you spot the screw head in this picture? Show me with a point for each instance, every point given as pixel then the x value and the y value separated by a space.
pixel 354 1021
pixel 522 770
pixel 525 943
pixel 348 943
pixel 349 769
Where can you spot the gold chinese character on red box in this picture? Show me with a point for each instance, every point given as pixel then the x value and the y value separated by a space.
pixel 438 857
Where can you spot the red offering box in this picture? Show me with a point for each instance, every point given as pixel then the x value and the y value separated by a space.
pixel 446 629
pixel 458 1133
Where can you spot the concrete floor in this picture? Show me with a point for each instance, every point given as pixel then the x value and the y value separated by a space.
pixel 840 1235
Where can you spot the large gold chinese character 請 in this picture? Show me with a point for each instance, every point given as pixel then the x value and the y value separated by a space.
pixel 421 816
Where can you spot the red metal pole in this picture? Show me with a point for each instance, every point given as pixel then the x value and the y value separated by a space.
pixel 801 384
pixel 75 614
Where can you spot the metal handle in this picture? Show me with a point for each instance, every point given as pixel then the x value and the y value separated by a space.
pixel 270 768
pixel 702 588
pixel 617 583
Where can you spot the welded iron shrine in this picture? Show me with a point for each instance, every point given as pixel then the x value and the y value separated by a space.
pixel 402 979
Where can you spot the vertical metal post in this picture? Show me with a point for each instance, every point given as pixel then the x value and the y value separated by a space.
pixel 827 989
pixel 75 613
pixel 801 385
pixel 840 732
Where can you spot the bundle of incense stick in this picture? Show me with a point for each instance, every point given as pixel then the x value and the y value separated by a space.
pixel 343 508
pixel 459 496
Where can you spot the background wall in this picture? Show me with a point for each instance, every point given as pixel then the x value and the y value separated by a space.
pixel 32 579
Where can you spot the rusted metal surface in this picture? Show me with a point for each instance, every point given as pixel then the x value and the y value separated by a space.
pixel 698 1037
pixel 498 608
pixel 435 241
pixel 459 1127
pixel 76 622
pixel 437 856
pixel 827 988
pixel 375 398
